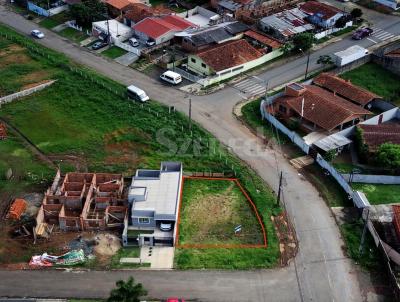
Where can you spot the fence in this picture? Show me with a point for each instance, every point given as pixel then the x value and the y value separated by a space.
pixel 373 179
pixel 46 12
pixel 126 47
pixel 293 136
pixel 11 97
pixel 332 30
pixel 187 75
pixel 73 25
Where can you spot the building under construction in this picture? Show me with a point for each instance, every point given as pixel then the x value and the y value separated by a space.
pixel 83 201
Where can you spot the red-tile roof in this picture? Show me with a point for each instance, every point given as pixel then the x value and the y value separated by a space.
pixel 322 107
pixel 263 39
pixel 139 11
pixel 345 88
pixel 179 22
pixel 376 135
pixel 120 4
pixel 314 7
pixel 158 26
pixel 229 54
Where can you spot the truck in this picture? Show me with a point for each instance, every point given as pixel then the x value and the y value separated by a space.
pixel 349 55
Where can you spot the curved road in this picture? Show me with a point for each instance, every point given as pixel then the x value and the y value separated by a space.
pixel 320 272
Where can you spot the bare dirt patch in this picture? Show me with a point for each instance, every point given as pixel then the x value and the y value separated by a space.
pixel 12 48
pixel 288 245
pixel 19 57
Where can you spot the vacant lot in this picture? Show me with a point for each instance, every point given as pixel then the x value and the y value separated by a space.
pixel 114 52
pixel 89 117
pixel 377 79
pixel 211 209
pixel 379 194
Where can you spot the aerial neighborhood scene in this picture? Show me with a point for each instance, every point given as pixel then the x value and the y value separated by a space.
pixel 195 150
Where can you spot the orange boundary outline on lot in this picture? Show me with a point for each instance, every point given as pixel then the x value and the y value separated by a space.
pixel 202 246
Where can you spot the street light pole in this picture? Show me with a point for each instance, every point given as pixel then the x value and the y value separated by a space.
pixel 190 113
pixel 308 62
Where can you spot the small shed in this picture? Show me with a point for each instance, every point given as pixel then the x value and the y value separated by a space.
pixel 17 208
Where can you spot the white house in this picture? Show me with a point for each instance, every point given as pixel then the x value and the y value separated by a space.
pixel 116 30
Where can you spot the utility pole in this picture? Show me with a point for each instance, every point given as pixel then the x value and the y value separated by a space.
pixel 278 199
pixel 308 62
pixel 361 248
pixel 190 113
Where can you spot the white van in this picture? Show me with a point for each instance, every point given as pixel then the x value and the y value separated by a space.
pixel 137 94
pixel 171 77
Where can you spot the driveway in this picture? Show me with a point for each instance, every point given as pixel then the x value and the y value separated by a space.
pixel 320 272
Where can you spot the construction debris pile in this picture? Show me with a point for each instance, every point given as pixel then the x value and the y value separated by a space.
pixel 3 131
pixel 70 258
pixel 81 202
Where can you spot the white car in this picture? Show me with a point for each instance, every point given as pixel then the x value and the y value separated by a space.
pixel 133 42
pixel 37 34
pixel 166 226
pixel 150 43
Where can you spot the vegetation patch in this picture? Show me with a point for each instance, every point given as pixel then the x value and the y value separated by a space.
pixel 377 79
pixel 210 211
pixel 379 194
pixel 73 34
pixel 368 257
pixel 114 52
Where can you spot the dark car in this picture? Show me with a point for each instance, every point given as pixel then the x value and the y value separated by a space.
pixel 362 33
pixel 99 45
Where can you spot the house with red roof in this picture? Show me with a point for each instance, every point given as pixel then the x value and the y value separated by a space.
pixel 316 109
pixel 160 29
pixel 321 14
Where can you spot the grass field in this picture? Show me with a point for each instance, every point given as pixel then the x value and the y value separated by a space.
pixel 114 52
pixel 88 116
pixel 376 79
pixel 73 34
pixel 210 211
pixel 369 258
pixel 55 20
pixel 379 194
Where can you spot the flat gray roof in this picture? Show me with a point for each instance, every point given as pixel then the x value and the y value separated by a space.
pixel 162 192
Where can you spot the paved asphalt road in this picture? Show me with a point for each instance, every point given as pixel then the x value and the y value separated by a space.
pixel 320 272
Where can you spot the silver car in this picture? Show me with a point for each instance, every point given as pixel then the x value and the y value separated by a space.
pixel 37 34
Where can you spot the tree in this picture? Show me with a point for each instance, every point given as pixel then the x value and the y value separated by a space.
pixel 341 22
pixel 127 291
pixel 389 155
pixel 286 48
pixel 356 13
pixel 325 60
pixel 303 41
pixel 87 11
pixel 330 155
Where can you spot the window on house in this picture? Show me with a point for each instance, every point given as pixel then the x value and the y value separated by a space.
pixel 193 60
pixel 203 65
pixel 282 109
pixel 144 220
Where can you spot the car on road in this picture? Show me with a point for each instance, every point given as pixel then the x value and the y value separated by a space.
pixel 362 33
pixel 137 94
pixel 99 44
pixel 166 226
pixel 37 34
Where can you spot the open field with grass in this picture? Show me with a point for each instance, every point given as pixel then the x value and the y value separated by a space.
pixel 114 52
pixel 379 194
pixel 377 79
pixel 88 116
pixel 54 20
pixel 210 211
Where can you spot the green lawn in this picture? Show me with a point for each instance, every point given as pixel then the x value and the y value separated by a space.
pixel 126 252
pixel 211 209
pixel 54 20
pixel 376 79
pixel 379 194
pixel 114 52
pixel 346 167
pixel 87 115
pixel 370 257
pixel 73 34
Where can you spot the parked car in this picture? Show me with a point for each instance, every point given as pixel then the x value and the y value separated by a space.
pixel 150 43
pixel 37 34
pixel 166 226
pixel 133 42
pixel 137 94
pixel 98 45
pixel 171 77
pixel 175 300
pixel 362 33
